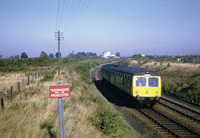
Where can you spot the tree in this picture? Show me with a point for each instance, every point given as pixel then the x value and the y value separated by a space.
pixel 43 54
pixel 71 55
pixel 51 55
pixel 57 55
pixel 24 55
pixel 14 57
pixel 118 54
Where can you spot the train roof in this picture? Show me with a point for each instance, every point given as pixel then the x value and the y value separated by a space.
pixel 130 70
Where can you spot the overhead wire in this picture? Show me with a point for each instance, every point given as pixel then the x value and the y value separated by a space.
pixel 63 7
pixel 69 12
pixel 78 15
pixel 57 17
pixel 74 13
pixel 64 12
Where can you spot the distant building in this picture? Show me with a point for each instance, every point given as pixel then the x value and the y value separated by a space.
pixel 106 54
pixel 178 59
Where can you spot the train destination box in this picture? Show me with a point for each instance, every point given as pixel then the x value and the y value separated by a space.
pixel 59 91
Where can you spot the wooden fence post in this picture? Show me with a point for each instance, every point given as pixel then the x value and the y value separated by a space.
pixel 32 77
pixel 18 83
pixel 2 102
pixel 36 75
pixel 14 89
pixel 28 80
pixel 11 92
pixel 24 84
pixel 6 98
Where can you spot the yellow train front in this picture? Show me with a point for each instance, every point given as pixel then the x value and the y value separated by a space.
pixel 142 84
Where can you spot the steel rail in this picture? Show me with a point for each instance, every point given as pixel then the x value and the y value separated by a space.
pixel 173 132
pixel 180 112
pixel 192 110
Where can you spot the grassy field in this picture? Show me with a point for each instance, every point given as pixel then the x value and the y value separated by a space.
pixel 86 113
pixel 181 80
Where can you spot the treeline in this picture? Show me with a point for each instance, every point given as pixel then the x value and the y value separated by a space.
pixel 82 54
pixel 175 59
pixel 9 65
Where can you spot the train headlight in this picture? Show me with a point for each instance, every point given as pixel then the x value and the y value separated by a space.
pixel 156 91
pixel 147 91
pixel 137 91
pixel 138 94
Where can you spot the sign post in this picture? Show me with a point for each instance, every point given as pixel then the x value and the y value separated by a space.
pixel 59 91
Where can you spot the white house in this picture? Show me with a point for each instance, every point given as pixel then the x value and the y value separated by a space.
pixel 106 54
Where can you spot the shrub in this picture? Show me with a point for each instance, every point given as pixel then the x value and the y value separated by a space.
pixel 49 76
pixel 107 120
pixel 124 63
pixel 168 65
pixel 195 84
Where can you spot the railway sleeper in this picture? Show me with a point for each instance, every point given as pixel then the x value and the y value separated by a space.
pixel 181 105
pixel 185 114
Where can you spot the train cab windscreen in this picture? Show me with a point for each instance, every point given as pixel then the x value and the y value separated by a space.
pixel 153 82
pixel 142 82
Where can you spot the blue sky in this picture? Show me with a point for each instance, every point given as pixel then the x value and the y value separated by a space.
pixel 153 27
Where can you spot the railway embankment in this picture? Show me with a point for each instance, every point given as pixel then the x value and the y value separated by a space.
pixel 33 114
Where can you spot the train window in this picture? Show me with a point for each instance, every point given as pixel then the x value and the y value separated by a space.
pixel 141 81
pixel 153 82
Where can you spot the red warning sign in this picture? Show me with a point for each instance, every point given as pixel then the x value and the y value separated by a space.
pixel 58 91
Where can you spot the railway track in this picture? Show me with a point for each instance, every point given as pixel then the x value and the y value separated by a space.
pixel 162 119
pixel 168 124
pixel 182 109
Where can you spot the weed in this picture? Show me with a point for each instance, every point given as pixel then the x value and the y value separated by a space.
pixel 15 106
pixel 63 73
pixel 48 126
pixel 35 107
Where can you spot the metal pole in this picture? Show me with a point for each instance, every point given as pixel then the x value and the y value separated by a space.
pixel 61 115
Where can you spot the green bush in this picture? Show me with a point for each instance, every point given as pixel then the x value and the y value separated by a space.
pixel 124 63
pixel 195 84
pixel 49 76
pixel 107 120
pixel 168 65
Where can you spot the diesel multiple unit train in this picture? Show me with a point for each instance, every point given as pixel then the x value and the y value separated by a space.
pixel 143 85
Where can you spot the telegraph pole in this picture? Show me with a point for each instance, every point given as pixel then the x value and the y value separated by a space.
pixel 59 36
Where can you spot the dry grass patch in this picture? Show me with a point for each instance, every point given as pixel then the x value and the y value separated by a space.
pixel 10 79
pixel 33 114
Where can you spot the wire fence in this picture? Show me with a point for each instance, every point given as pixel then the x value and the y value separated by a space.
pixel 18 87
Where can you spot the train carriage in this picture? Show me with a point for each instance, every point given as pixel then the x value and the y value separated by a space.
pixel 142 84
